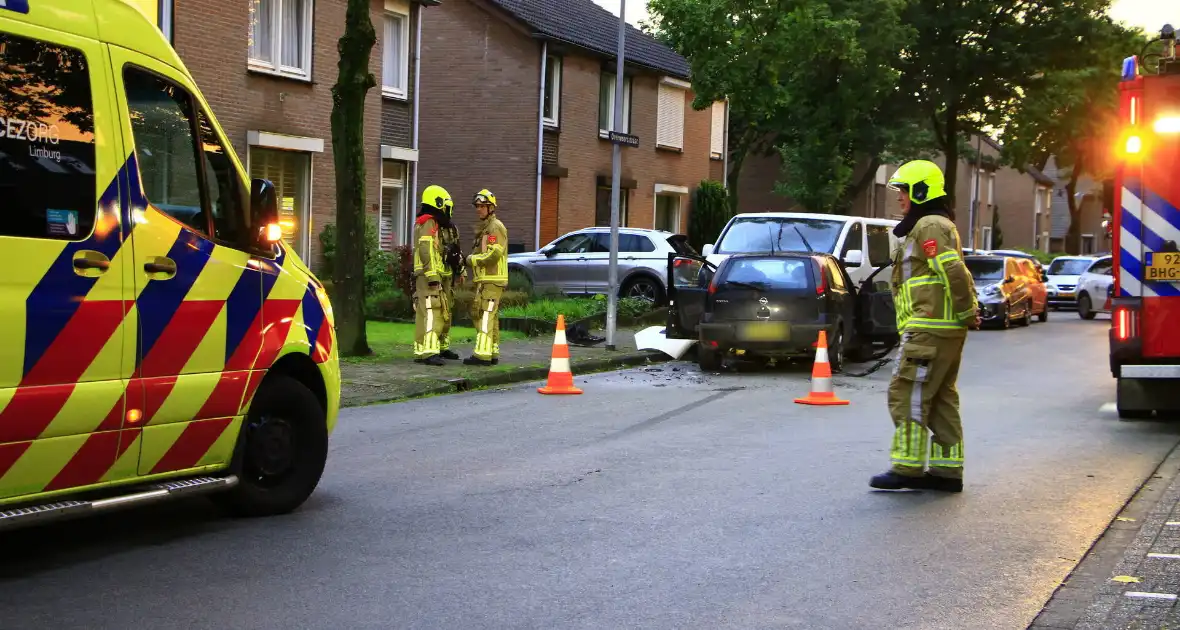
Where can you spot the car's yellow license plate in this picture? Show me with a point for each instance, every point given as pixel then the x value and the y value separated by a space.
pixel 766 331
pixel 1163 266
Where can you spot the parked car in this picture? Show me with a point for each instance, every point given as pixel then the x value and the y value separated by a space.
pixel 1009 290
pixel 769 306
pixel 1063 274
pixel 577 263
pixel 1016 253
pixel 861 244
pixel 1095 287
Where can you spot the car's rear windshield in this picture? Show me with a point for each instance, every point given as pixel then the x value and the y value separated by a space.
pixel 987 270
pixel 769 273
pixel 751 235
pixel 1068 266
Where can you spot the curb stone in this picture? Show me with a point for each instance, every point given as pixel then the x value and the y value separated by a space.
pixel 520 375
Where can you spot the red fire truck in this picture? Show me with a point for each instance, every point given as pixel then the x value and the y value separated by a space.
pixel 1145 315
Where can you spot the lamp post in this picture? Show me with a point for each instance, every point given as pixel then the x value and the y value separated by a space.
pixel 612 299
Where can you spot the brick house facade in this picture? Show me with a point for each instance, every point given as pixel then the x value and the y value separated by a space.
pixel 267 72
pixel 488 106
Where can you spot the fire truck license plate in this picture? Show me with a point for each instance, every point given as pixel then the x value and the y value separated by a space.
pixel 1163 266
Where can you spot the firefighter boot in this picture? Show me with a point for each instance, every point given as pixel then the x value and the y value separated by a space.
pixel 449 354
pixel 893 480
pixel 434 360
pixel 474 360
pixel 944 484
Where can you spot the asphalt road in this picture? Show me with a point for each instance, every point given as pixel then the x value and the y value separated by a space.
pixel 664 499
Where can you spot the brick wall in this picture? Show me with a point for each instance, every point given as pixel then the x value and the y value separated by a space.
pixel 478 114
pixel 587 156
pixel 212 40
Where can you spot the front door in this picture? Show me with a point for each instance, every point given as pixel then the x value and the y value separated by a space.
pixel 198 294
pixel 62 303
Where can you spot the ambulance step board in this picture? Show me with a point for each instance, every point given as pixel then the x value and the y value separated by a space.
pixel 59 510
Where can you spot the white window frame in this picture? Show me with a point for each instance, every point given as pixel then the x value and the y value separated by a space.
pixel 306 146
pixel 670 96
pixel 1088 238
pixel 610 111
pixel 399 11
pixel 400 231
pixel 986 237
pixel 303 71
pixel 553 91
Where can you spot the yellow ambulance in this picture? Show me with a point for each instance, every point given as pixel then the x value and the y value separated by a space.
pixel 157 337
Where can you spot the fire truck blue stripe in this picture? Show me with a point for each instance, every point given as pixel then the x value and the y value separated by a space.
pixel 1132 265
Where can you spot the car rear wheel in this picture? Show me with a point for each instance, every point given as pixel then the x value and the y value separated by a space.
pixel 836 349
pixel 643 287
pixel 1044 316
pixel 708 359
pixel 1085 307
pixel 281 452
pixel 1026 319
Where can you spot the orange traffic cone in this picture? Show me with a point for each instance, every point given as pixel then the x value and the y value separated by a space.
pixel 821 378
pixel 561 379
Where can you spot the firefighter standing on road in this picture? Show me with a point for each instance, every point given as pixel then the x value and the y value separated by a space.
pixel 429 307
pixel 454 270
pixel 935 299
pixel 489 264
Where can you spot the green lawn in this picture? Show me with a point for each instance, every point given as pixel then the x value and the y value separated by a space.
pixel 396 341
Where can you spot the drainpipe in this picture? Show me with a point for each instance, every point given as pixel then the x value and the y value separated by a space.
pixel 413 200
pixel 540 139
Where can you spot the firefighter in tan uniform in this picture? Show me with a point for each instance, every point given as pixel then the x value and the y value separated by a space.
pixel 454 271
pixel 429 304
pixel 489 264
pixel 935 299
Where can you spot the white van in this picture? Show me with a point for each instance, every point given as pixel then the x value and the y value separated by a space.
pixel 863 244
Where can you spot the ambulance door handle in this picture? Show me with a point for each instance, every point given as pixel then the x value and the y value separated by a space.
pixel 160 266
pixel 90 263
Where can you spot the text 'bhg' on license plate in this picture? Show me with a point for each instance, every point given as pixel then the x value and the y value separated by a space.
pixel 1162 266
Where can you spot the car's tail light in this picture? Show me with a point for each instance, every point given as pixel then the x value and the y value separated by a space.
pixel 1125 323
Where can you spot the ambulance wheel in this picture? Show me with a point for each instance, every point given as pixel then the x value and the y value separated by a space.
pixel 281 451
pixel 1085 307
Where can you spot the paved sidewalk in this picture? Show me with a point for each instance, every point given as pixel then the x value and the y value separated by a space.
pixel 1130 580
pixel 367 382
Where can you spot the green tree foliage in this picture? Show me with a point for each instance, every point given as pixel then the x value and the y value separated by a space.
pixel 710 212
pixel 997 231
pixel 381 267
pixel 974 62
pixel 810 80
pixel 1073 115
pixel 348 148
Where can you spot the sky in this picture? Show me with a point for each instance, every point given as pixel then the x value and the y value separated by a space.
pixel 1147 14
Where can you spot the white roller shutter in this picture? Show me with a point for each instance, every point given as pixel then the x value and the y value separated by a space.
pixel 670 117
pixel 717 131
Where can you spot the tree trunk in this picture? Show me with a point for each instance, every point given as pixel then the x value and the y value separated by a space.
pixel 348 151
pixel 1073 236
pixel 867 178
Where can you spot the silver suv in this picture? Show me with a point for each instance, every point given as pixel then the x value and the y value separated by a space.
pixel 576 263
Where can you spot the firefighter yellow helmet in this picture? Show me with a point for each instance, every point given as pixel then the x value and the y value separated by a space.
pixel 484 196
pixel 921 179
pixel 437 197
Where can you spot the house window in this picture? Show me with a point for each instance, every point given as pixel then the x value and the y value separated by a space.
pixel 602 207
pixel 987 237
pixel 670 117
pixel 606 105
pixel 991 189
pixel 668 213
pixel 393 224
pixel 552 113
pixel 717 131
pixel 1087 244
pixel 290 172
pixel 280 37
pixel 395 62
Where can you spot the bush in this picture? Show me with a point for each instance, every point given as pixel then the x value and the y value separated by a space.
pixel 575 309
pixel 710 212
pixel 381 269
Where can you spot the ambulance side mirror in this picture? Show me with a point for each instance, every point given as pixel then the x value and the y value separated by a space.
pixel 264 212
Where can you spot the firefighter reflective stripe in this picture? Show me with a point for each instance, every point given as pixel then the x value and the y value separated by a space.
pixel 489 261
pixel 427 261
pixel 909 446
pixel 946 456
pixel 426 341
pixel 486 337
